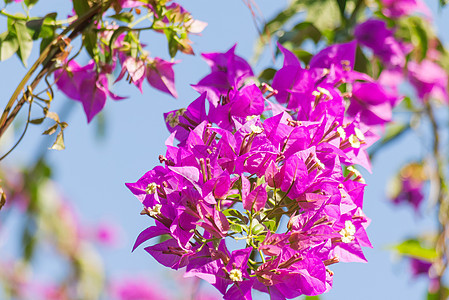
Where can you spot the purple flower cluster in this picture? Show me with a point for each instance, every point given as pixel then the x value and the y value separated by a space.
pixel 375 35
pixel 428 78
pixel 264 195
pixel 398 8
pixel 412 179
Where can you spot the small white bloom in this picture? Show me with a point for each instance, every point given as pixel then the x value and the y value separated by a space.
pixel 359 134
pixel 347 233
pixel 249 118
pixel 155 210
pixel 341 132
pixel 151 188
pixel 354 141
pixel 320 165
pixel 255 129
pixel 357 174
pixel 325 92
pixel 236 275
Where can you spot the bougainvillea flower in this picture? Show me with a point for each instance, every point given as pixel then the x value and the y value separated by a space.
pixel 136 70
pixel 136 289
pixel 398 8
pixel 412 178
pixel 228 70
pixel 375 35
pixel 160 75
pixel 86 85
pixel 429 80
pixel 240 166
pixel 372 103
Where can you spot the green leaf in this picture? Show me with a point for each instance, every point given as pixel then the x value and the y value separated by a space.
pixel 413 248
pixel 236 228
pixel 34 27
pixel 42 27
pixel 301 32
pixel 231 212
pixel 271 225
pixel 342 6
pixel 267 74
pixel 361 64
pixel 323 13
pixel 37 121
pixel 90 43
pixel 59 143
pixel 303 55
pixel 436 296
pixel 420 34
pixel 172 44
pixel 115 35
pixel 24 40
pixel 8 45
pixel 30 3
pixel 257 229
pixel 393 130
pixel 126 17
pixel 312 298
pixel 164 237
pixel 282 18
pixel 45 42
pixel 51 130
pixel 80 6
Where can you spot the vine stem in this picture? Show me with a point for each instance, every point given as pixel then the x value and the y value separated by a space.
pixel 442 202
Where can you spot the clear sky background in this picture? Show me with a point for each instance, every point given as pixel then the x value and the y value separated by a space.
pixel 92 171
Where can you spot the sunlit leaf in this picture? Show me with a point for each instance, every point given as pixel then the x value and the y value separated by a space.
pixel 303 55
pixel 42 27
pixel 90 43
pixel 30 3
pixel 24 40
pixel 414 249
pixel 37 121
pixel 324 14
pixel 436 296
pixel 80 6
pixel 8 45
pixel 298 34
pixel 59 143
pixel 52 115
pixel 51 130
pixel 267 74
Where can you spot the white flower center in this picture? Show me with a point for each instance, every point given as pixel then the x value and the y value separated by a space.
pixel 236 275
pixel 341 132
pixel 359 134
pixel 323 91
pixel 354 141
pixel 151 188
pixel 347 233
pixel 155 210
pixel 319 164
pixel 256 129
pixel 358 175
